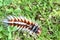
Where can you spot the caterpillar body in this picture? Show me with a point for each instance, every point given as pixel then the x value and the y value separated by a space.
pixel 22 23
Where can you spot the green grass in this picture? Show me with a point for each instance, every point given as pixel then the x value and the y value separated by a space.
pixel 46 13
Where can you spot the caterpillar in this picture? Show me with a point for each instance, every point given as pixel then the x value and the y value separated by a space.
pixel 23 23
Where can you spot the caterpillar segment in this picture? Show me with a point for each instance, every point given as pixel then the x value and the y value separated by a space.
pixel 22 24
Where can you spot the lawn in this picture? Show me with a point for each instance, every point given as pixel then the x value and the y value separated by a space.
pixel 46 13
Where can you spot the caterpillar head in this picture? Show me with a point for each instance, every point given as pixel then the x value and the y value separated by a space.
pixel 37 30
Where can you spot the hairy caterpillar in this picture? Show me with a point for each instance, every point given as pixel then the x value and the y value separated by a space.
pixel 22 23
